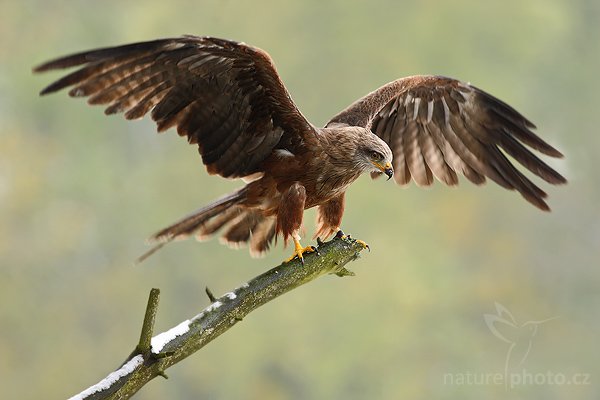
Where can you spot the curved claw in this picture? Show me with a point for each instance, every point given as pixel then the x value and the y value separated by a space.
pixel 299 251
pixel 316 249
pixel 363 244
pixel 342 235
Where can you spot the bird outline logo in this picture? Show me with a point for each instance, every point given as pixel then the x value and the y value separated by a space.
pixel 519 337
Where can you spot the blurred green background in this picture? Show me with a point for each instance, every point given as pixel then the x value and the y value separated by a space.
pixel 79 192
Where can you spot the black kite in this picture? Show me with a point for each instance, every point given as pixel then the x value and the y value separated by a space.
pixel 228 99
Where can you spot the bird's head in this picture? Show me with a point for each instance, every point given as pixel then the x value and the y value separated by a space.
pixel 375 155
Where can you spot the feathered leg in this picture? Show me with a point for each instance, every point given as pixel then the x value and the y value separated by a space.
pixel 329 219
pixel 289 219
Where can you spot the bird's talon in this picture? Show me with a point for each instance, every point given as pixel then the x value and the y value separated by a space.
pixel 299 251
pixel 363 244
pixel 342 235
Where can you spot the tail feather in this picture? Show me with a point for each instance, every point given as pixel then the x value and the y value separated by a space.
pixel 239 231
pixel 192 222
pixel 262 237
pixel 240 225
pixel 207 230
pixel 252 227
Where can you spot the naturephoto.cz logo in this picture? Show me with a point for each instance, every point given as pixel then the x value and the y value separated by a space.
pixel 518 339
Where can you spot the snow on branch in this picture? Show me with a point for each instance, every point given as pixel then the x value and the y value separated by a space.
pixel 153 355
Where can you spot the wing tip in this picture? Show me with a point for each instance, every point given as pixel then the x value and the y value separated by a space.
pixel 47 66
pixel 46 90
pixel 552 152
pixel 544 206
pixel 537 200
pixel 59 85
pixel 556 179
pixel 61 63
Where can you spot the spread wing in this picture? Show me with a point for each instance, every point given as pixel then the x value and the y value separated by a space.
pixel 224 96
pixel 437 126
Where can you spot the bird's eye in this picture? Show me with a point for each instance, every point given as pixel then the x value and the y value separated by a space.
pixel 376 156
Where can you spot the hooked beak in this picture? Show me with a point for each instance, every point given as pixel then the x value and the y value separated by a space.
pixel 389 171
pixel 386 169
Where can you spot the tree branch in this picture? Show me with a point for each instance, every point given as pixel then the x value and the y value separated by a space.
pixel 153 355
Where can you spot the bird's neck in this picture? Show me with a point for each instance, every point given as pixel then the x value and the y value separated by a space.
pixel 337 169
pixel 340 145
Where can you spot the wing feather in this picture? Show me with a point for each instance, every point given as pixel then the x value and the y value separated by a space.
pixel 443 127
pixel 144 78
pixel 110 77
pixel 225 96
pixel 148 102
pixel 458 164
pixel 414 158
pixel 402 174
pixel 435 158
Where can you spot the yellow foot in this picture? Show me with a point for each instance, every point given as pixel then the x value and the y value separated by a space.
pixel 299 251
pixel 363 244
pixel 342 235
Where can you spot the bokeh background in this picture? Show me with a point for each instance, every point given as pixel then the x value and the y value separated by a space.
pixel 79 192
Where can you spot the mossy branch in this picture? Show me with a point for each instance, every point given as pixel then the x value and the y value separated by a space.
pixel 153 355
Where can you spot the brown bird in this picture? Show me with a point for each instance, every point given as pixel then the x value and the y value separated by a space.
pixel 227 98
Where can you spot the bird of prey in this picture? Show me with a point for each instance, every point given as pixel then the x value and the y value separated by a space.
pixel 227 98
